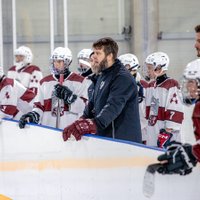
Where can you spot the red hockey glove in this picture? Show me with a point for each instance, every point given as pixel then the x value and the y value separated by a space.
pixel 196 151
pixel 79 128
pixel 164 138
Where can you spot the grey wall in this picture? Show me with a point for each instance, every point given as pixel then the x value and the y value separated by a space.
pixel 177 20
pixel 172 21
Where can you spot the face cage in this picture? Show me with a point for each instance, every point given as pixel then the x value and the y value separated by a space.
pixel 28 57
pixel 21 63
pixel 56 71
pixel 187 98
pixel 144 73
pixel 81 67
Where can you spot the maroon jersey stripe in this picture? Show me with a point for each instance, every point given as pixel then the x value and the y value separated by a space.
pixel 170 115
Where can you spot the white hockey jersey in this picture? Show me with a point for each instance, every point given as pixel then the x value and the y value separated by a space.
pixel 164 109
pixel 15 99
pixel 29 76
pixel 46 105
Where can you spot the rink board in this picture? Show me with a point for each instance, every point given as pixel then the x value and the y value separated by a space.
pixel 35 163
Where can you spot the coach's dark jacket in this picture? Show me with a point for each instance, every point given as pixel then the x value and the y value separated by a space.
pixel 113 104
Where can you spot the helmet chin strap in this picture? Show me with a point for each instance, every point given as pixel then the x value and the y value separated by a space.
pixel 161 72
pixel 1 77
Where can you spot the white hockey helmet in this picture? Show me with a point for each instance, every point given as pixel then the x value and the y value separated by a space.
pixel 28 56
pixel 192 70
pixel 190 84
pixel 61 53
pixel 83 58
pixel 130 61
pixel 158 59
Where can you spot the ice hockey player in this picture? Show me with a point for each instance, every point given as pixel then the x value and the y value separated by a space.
pixel 181 158
pixel 23 71
pixel 130 61
pixel 62 96
pixel 84 64
pixel 164 108
pixel 15 99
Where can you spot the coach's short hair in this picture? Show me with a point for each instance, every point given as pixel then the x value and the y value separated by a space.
pixel 108 45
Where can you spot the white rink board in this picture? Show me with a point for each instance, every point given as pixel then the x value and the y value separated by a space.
pixel 36 164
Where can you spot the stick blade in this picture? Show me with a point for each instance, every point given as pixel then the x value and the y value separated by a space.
pixel 149 180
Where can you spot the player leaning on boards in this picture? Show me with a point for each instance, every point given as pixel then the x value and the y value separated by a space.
pixel 62 95
pixel 164 108
pixel 112 110
pixel 181 158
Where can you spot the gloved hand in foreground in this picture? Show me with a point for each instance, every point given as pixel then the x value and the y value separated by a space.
pixel 79 128
pixel 178 159
pixel 32 117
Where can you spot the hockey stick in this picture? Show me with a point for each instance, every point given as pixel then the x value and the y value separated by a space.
pixel 149 179
pixel 61 79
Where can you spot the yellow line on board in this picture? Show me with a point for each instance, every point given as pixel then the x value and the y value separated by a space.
pixel 100 163
pixel 2 197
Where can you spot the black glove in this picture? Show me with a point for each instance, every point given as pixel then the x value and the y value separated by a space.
pixel 180 159
pixel 63 92
pixel 140 92
pixel 32 117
